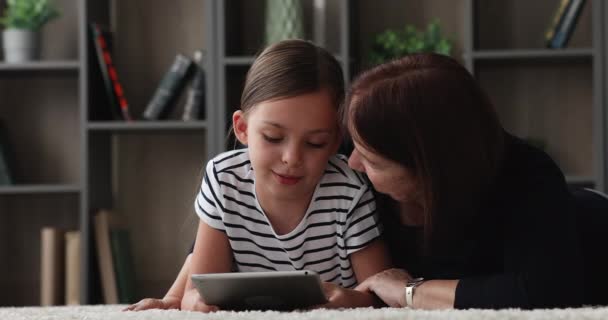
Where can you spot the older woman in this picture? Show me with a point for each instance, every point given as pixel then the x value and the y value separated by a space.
pixel 475 217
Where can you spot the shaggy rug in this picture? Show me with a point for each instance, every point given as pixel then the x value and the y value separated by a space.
pixel 112 312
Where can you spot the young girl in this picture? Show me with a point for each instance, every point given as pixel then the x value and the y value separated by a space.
pixel 287 202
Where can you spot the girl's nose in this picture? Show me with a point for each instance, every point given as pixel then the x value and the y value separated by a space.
pixel 292 156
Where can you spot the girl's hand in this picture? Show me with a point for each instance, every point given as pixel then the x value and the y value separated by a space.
pixel 192 301
pixel 150 303
pixel 388 285
pixel 339 297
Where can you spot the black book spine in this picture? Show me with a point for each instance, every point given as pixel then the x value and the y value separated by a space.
pixel 114 90
pixel 195 99
pixel 169 88
pixel 6 157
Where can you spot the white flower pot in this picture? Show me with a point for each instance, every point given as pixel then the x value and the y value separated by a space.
pixel 20 45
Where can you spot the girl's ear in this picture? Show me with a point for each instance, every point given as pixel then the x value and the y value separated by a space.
pixel 239 125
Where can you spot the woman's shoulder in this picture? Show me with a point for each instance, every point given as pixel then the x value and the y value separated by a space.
pixel 527 168
pixel 524 160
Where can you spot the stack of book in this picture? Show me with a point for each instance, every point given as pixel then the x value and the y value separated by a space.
pixel 113 105
pixel 115 258
pixel 181 71
pixel 59 267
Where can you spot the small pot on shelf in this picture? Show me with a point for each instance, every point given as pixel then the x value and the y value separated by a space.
pixel 20 45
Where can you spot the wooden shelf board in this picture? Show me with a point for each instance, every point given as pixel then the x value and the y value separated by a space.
pixel 161 125
pixel 42 65
pixel 39 189
pixel 522 54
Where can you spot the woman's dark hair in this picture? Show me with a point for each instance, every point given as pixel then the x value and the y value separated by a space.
pixel 290 68
pixel 427 113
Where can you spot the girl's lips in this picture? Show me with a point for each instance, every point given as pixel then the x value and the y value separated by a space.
pixel 286 180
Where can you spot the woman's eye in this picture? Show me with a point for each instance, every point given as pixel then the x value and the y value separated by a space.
pixel 317 145
pixel 272 139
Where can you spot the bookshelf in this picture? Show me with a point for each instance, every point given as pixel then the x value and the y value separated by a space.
pixel 41 109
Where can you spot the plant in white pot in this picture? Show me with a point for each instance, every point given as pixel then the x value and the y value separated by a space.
pixel 22 21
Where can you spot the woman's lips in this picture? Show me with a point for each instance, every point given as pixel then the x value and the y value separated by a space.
pixel 286 179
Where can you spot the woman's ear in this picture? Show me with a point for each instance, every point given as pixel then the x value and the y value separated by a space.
pixel 239 125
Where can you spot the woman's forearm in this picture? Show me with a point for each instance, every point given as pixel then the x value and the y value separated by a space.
pixel 435 294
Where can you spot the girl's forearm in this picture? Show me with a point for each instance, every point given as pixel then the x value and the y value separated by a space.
pixel 179 285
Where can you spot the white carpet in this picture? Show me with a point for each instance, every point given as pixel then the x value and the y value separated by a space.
pixel 113 312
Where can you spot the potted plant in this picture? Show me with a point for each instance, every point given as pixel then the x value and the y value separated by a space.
pixel 22 21
pixel 391 44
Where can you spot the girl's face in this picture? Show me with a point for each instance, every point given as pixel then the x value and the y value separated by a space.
pixel 290 141
pixel 387 176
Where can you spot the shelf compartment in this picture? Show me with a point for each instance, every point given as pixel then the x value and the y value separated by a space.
pixel 21 220
pixel 33 189
pixel 519 24
pixel 550 104
pixel 50 65
pixel 168 125
pixel 244 26
pixel 154 178
pixel 43 129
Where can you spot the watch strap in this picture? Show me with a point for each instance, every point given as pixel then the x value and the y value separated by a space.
pixel 410 289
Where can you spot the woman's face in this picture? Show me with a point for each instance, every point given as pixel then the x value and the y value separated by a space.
pixel 387 176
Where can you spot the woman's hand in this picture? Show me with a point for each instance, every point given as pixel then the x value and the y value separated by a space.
pixel 151 303
pixel 339 297
pixel 192 301
pixel 388 285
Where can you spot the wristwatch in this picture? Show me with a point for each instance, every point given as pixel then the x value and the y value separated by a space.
pixel 410 289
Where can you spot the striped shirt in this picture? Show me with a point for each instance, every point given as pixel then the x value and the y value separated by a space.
pixel 341 219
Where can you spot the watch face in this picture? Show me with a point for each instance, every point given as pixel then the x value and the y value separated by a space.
pixel 414 281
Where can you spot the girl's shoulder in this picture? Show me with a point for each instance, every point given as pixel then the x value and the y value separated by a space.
pixel 233 158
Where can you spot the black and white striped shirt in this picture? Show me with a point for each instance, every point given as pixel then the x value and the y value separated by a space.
pixel 341 219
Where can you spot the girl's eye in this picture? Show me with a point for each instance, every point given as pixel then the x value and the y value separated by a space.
pixel 272 139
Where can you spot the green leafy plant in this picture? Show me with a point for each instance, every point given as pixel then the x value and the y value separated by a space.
pixel 28 14
pixel 391 43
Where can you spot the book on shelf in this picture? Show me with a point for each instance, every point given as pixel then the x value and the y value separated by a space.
pixel 101 223
pixel 194 107
pixel 51 266
pixel 554 24
pixel 566 23
pixel 104 68
pixel 120 243
pixel 72 267
pixel 6 157
pixel 169 88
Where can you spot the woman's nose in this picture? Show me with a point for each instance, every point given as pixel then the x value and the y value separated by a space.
pixel 354 161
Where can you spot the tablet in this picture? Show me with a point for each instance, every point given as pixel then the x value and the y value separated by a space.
pixel 275 290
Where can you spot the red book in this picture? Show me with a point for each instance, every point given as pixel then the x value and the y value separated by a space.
pixel 116 97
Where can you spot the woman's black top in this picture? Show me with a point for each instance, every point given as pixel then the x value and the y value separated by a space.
pixel 523 252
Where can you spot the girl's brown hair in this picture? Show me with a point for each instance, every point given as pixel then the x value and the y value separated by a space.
pixel 427 113
pixel 290 68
